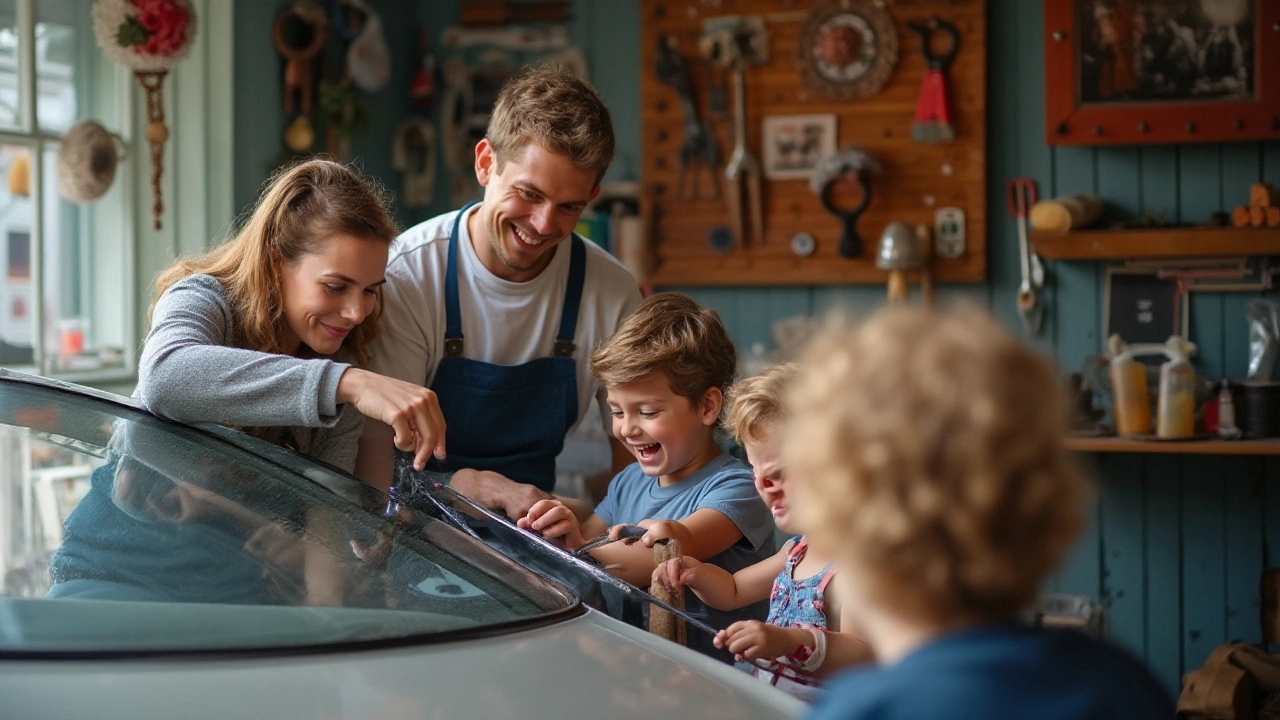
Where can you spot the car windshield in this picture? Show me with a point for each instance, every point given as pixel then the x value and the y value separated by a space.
pixel 121 533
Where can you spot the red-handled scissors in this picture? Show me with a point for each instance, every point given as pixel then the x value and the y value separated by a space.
pixel 1021 194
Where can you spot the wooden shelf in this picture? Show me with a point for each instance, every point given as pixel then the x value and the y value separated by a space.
pixel 1180 242
pixel 1269 446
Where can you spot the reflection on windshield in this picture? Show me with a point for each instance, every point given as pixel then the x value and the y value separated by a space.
pixel 184 541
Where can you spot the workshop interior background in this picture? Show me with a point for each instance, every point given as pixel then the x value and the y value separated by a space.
pixel 1177 542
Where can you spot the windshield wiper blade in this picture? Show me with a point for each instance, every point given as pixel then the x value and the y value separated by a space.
pixel 604 576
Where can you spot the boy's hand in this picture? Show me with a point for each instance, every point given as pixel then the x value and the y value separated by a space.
pixel 754 640
pixel 664 530
pixel 676 573
pixel 553 519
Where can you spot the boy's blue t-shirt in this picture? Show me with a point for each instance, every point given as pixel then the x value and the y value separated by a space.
pixel 725 485
pixel 1001 672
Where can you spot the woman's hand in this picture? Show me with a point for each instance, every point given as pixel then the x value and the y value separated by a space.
pixel 676 573
pixel 553 519
pixel 412 411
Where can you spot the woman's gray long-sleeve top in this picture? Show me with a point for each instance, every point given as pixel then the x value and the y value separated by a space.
pixel 192 371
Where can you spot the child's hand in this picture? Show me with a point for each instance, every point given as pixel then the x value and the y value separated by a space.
pixel 553 519
pixel 663 530
pixel 754 640
pixel 676 573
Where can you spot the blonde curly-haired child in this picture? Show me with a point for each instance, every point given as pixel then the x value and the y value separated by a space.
pixel 927 456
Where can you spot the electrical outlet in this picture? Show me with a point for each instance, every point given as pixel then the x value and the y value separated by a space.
pixel 948 226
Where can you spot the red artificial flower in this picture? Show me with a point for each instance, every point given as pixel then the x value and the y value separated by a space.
pixel 166 24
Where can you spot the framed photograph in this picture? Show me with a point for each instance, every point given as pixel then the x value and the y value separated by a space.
pixel 1161 71
pixel 793 144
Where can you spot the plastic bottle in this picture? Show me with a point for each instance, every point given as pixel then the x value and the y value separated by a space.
pixel 1176 404
pixel 1176 401
pixel 1227 413
pixel 1129 390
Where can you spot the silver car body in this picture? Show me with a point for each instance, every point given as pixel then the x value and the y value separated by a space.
pixel 77 658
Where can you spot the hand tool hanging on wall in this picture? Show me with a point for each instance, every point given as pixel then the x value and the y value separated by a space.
pixel 1021 194
pixel 698 149
pixel 850 165
pixel 933 113
pixel 736 43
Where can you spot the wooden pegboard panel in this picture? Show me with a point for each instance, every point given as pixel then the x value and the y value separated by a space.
pixel 914 175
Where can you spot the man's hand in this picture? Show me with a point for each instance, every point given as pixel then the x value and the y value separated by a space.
pixel 497 492
pixel 553 519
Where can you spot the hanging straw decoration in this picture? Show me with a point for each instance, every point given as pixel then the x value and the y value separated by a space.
pixel 148 37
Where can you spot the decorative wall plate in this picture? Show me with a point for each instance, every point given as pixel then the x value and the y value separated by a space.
pixel 847 49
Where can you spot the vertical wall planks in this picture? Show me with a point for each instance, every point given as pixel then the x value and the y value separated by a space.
pixel 1123 550
pixel 1243 517
pixel 1079 308
pixel 1163 571
pixel 1203 548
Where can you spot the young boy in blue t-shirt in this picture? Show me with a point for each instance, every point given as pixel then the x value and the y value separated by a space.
pixel 665 372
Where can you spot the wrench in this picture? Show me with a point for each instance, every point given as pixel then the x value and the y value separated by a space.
pixel 743 166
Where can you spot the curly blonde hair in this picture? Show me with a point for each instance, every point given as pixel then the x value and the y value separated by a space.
pixel 302 206
pixel 559 112
pixel 927 451
pixel 672 334
pixel 756 405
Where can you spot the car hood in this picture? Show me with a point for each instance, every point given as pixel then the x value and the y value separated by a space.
pixel 590 666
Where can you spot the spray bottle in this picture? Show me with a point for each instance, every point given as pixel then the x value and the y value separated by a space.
pixel 1176 406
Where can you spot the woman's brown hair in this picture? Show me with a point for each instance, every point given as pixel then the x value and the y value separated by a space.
pixel 303 206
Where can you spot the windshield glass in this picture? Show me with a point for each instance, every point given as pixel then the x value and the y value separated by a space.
pixel 120 532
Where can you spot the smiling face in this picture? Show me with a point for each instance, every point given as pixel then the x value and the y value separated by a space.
pixel 765 456
pixel 328 293
pixel 530 206
pixel 670 436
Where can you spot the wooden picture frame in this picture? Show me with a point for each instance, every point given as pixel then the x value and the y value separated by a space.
pixel 793 144
pixel 1189 77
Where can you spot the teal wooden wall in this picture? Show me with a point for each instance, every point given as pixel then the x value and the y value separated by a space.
pixel 1176 544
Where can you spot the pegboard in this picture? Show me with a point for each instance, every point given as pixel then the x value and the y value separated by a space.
pixel 916 180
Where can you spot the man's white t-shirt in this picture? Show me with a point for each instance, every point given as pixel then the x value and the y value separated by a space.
pixel 503 322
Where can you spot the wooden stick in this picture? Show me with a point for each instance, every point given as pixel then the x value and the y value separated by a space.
pixel 662 623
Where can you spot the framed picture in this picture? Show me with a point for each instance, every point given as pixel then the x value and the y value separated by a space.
pixel 1161 71
pixel 793 144
pixel 1143 307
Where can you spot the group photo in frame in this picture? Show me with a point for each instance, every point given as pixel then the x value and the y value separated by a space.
pixel 1159 71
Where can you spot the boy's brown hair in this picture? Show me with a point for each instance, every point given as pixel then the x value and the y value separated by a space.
pixel 559 112
pixel 757 404
pixel 672 334
pixel 927 454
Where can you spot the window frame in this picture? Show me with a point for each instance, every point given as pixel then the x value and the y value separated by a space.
pixel 38 141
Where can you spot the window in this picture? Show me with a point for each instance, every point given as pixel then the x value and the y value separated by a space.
pixel 66 301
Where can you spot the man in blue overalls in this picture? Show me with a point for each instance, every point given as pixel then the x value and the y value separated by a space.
pixel 496 307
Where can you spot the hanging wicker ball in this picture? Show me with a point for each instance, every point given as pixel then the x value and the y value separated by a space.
pixel 87 161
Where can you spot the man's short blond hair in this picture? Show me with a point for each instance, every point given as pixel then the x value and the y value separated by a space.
pixel 672 334
pixel 927 452
pixel 756 405
pixel 557 111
